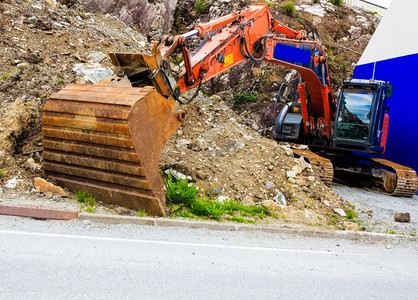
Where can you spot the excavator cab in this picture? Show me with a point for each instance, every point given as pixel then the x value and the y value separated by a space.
pixel 361 124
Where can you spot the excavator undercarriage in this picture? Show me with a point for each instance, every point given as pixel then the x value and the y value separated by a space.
pixel 395 179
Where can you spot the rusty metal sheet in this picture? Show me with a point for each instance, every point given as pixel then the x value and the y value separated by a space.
pixel 103 155
pixel 113 194
pixel 103 95
pixel 85 88
pixel 99 151
pixel 88 109
pixel 94 162
pixel 88 137
pixel 85 122
pixel 100 175
pixel 37 213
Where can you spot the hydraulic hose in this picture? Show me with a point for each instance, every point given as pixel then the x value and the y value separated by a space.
pixel 245 52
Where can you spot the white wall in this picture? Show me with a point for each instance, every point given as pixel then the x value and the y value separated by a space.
pixel 396 35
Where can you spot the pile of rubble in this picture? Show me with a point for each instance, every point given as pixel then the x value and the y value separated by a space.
pixel 225 158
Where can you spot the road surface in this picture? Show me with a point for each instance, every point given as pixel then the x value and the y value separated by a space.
pixel 84 260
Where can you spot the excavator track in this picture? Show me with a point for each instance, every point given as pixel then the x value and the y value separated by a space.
pixel 321 166
pixel 404 182
pixel 107 140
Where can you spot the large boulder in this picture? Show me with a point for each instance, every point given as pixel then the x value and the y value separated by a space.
pixel 149 17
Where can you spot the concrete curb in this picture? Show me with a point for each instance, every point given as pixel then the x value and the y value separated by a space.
pixel 370 237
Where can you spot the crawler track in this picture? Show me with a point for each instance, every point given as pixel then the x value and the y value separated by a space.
pixel 403 182
pixel 321 166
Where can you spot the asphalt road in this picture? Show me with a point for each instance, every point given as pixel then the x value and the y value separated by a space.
pixel 84 260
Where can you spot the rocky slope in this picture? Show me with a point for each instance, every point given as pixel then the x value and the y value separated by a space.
pixel 43 43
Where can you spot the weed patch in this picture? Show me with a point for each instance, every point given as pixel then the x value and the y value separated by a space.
pixel 244 97
pixel 201 6
pixel 141 213
pixel 289 8
pixel 351 214
pixel 180 191
pixel 336 2
pixel 87 199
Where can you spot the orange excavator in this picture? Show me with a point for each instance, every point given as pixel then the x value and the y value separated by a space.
pixel 107 138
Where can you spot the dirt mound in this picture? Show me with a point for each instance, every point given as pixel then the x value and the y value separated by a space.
pixel 40 45
pixel 223 156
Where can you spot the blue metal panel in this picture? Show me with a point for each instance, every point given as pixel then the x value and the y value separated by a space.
pixel 291 54
pixel 402 144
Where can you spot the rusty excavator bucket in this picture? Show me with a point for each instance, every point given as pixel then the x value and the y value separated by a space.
pixel 107 138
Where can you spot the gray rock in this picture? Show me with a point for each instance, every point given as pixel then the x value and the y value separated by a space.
pixel 222 199
pixel 271 205
pixel 402 217
pixel 269 185
pixel 280 199
pixel 183 143
pixel 30 164
pixel 33 20
pixel 177 175
pixel 153 17
pixel 340 212
pixel 96 57
pixel 198 145
pixel 236 144
pixel 65 24
pixel 290 174
pixel 355 32
pixel 93 72
pixel 57 25
pixel 22 66
pixel 12 183
pixel 213 191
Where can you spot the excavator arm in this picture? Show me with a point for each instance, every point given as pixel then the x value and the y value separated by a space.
pixel 251 34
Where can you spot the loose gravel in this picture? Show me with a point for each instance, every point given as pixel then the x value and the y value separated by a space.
pixel 383 209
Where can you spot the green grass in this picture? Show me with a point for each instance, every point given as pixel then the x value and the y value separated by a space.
pixel 212 210
pixel 231 206
pixel 90 209
pixel 351 214
pixel 183 202
pixel 238 219
pixel 336 2
pixel 60 79
pixel 4 76
pixel 1 172
pixel 179 191
pixel 185 214
pixel 141 213
pixel 289 8
pixel 244 97
pixel 84 197
pixel 87 199
pixel 201 6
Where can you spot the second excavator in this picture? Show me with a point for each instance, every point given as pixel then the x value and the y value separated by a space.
pixel 107 138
